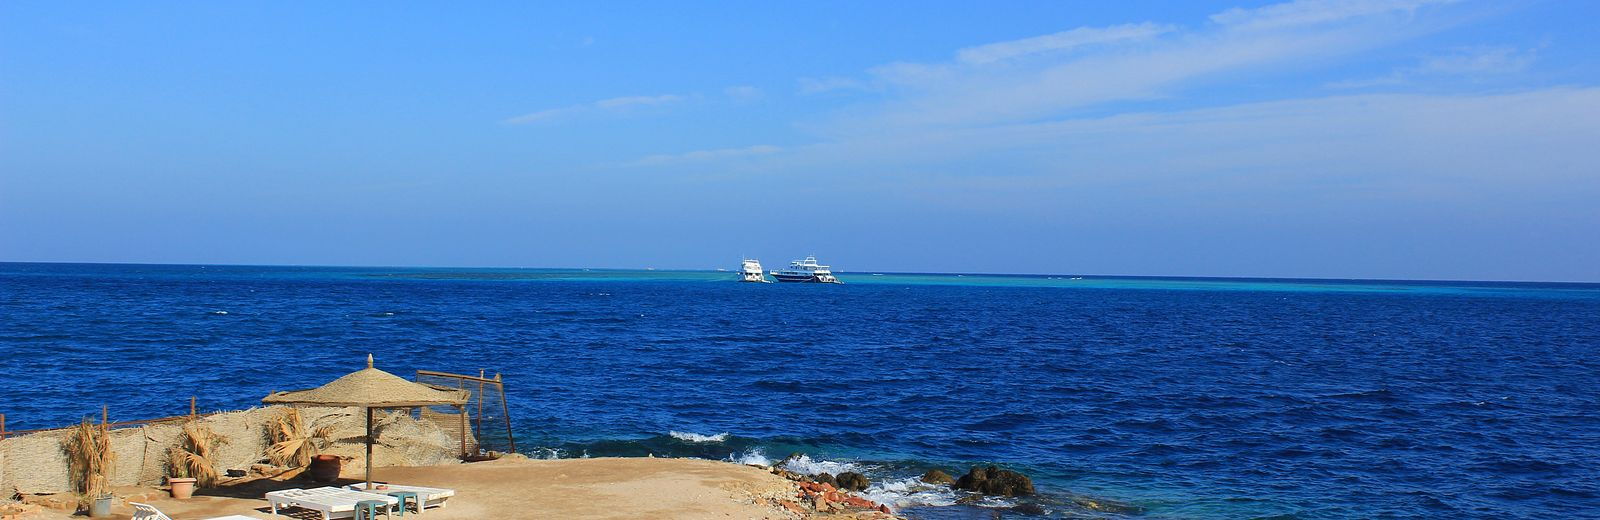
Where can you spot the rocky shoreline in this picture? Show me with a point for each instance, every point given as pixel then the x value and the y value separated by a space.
pixel 831 494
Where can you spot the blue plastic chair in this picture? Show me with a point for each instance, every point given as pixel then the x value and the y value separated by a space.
pixel 403 496
pixel 371 509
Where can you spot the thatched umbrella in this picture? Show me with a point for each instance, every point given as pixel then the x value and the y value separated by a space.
pixel 371 388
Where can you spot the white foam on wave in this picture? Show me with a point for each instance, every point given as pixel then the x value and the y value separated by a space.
pixel 695 437
pixel 753 457
pixel 806 465
pixel 911 492
pixel 220 313
pixel 547 453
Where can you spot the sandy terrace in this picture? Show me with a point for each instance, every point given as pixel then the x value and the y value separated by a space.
pixel 605 488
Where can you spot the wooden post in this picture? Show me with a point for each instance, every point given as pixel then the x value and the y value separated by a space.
pixel 462 384
pixel 2 426
pixel 191 407
pixel 105 415
pixel 480 405
pixel 369 448
pixel 505 409
pixel 463 409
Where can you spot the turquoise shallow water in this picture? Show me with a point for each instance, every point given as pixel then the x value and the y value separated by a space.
pixel 1513 289
pixel 1178 398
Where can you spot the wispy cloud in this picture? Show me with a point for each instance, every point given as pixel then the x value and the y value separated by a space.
pixel 1061 41
pixel 1009 87
pixel 703 155
pixel 820 85
pixel 542 115
pixel 628 101
pixel 615 104
pixel 1045 76
pixel 1473 63
pixel 1479 61
pixel 743 93
pixel 1312 12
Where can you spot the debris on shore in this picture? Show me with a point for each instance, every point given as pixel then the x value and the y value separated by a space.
pixel 820 497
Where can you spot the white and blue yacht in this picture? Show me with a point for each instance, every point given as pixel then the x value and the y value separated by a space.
pixel 805 271
pixel 751 272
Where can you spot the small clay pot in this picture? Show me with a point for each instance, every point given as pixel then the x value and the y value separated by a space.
pixel 325 468
pixel 182 488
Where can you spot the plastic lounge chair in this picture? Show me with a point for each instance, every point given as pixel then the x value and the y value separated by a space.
pixel 332 502
pixel 429 497
pixel 149 512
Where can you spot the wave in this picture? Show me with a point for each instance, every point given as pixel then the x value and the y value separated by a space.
pixel 806 465
pixel 546 453
pixel 912 492
pixel 219 313
pixel 695 437
pixel 755 457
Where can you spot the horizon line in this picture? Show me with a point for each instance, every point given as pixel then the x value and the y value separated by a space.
pixel 951 273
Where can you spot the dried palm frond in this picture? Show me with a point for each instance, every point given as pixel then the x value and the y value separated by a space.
pixel 192 456
pixel 90 458
pixel 293 443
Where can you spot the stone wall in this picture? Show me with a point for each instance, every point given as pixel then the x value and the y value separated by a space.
pixel 36 464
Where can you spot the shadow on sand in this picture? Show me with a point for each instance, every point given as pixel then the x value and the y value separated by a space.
pixel 257 488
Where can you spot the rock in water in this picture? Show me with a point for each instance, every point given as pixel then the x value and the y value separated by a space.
pixel 1008 483
pixel 934 476
pixel 995 481
pixel 852 481
pixel 1107 505
pixel 826 478
pixel 970 480
pixel 1030 509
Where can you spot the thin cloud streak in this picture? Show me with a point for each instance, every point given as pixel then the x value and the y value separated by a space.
pixel 542 115
pixel 1480 61
pixel 627 101
pixel 1472 63
pixel 743 93
pixel 820 85
pixel 1311 12
pixel 705 155
pixel 615 104
pixel 1061 41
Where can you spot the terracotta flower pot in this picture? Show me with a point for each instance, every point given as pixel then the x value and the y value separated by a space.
pixel 182 488
pixel 325 468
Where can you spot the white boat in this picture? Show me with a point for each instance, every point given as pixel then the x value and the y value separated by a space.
pixel 805 271
pixel 751 272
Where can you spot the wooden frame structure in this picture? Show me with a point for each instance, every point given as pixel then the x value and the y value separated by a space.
pixel 485 385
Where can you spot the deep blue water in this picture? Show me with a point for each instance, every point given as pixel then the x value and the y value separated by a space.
pixel 1179 398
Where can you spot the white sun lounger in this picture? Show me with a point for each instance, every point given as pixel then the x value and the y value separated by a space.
pixel 431 497
pixel 332 502
pixel 149 512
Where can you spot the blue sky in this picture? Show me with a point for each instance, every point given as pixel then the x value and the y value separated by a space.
pixel 1364 138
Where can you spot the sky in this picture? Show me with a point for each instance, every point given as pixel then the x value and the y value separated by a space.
pixel 1410 139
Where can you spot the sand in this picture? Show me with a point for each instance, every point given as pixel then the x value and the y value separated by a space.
pixel 601 488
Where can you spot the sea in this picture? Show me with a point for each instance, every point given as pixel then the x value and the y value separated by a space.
pixel 1121 397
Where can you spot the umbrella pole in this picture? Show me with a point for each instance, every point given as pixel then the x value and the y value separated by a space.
pixel 369 448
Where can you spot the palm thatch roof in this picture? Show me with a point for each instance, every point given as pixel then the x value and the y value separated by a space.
pixel 372 388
